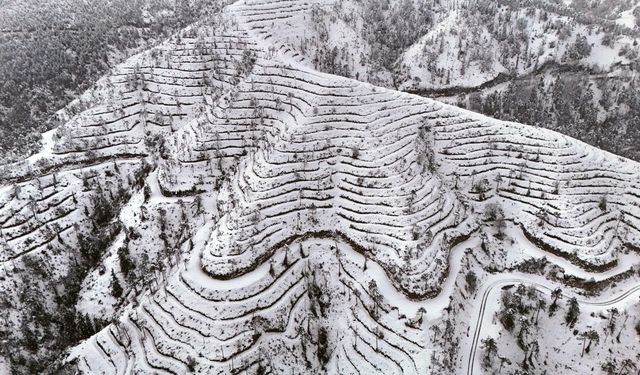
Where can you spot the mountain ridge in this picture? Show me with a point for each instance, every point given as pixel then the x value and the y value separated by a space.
pixel 217 151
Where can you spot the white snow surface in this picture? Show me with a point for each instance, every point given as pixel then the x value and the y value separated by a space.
pixel 289 179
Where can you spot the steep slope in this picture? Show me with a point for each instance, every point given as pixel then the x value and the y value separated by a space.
pixel 569 68
pixel 446 47
pixel 281 218
pixel 51 51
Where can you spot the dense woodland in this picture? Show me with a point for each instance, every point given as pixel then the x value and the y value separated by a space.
pixel 568 104
pixel 51 51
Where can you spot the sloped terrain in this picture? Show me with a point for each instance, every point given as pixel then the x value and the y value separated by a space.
pixel 51 51
pixel 283 219
pixel 566 66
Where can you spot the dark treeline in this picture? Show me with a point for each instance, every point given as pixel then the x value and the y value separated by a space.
pixel 568 103
pixel 52 51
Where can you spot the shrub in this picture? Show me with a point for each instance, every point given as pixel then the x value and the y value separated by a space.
pixel 126 264
pixel 472 281
pixel 506 318
pixel 191 363
pixel 572 314
pixel 116 288
pixel 493 212
pixel 580 49
pixel 603 203
pixel 324 353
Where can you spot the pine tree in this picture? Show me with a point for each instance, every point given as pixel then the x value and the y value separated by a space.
pixel 116 288
pixel 490 350
pixel 572 314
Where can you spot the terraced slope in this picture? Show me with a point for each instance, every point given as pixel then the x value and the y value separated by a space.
pixel 314 207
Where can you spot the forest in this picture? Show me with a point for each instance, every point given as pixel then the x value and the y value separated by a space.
pixel 51 51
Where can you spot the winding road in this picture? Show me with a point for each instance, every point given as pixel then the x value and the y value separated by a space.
pixel 435 305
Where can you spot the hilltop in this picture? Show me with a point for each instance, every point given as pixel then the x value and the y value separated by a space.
pixel 219 205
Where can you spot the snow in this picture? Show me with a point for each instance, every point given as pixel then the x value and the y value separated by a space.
pixel 95 299
pixel 490 303
pixel 47 146
pixel 525 247
pixel 156 194
pixel 627 19
pixel 405 305
pixel 194 270
pixel 129 214
pixel 5 369
pixel 486 301
pixel 334 163
pixel 604 56
pixel 415 59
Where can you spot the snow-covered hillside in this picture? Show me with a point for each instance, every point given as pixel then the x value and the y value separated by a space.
pixel 259 215
pixel 505 59
pixel 455 45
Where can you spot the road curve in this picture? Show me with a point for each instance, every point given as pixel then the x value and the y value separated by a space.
pixel 540 287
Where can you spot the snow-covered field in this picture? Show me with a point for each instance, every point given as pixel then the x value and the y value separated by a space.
pixel 627 19
pixel 294 221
